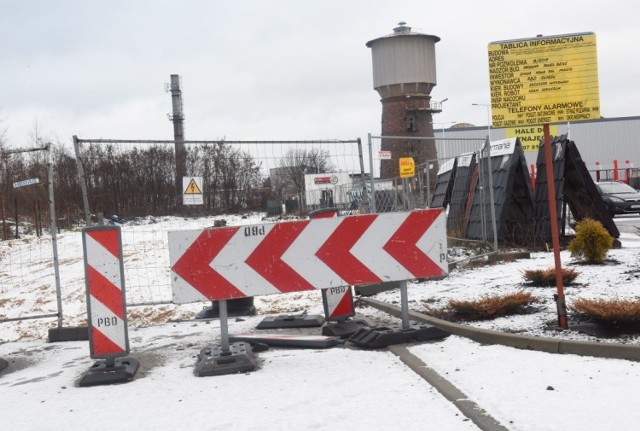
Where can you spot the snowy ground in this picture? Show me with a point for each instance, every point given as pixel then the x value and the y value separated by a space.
pixel 342 387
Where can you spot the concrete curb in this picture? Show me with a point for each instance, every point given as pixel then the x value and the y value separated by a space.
pixel 542 344
pixel 466 406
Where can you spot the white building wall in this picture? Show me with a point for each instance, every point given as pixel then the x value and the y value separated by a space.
pixel 337 183
pixel 602 141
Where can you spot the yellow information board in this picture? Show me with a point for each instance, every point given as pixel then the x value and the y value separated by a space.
pixel 544 80
pixel 407 167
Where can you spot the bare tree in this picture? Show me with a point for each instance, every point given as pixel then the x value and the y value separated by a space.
pixel 300 161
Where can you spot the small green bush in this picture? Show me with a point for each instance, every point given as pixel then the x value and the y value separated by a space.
pixel 547 277
pixel 614 313
pixel 491 307
pixel 592 241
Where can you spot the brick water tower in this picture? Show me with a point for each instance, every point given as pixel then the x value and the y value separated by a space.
pixel 404 73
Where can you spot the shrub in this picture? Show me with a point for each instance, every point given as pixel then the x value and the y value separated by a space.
pixel 592 241
pixel 547 277
pixel 491 307
pixel 614 312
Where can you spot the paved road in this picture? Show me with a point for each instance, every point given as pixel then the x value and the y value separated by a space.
pixel 628 223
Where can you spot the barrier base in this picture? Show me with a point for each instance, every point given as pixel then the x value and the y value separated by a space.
pixel 284 340
pixel 344 329
pixel 101 373
pixel 291 321
pixel 372 289
pixel 214 361
pixel 3 364
pixel 80 333
pixel 383 336
pixel 235 307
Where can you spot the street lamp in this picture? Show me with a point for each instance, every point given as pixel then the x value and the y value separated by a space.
pixel 490 174
pixel 440 104
pixel 488 117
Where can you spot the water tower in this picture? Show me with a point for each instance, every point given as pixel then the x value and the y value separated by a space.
pixel 404 73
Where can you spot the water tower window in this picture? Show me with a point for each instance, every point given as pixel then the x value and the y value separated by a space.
pixel 411 121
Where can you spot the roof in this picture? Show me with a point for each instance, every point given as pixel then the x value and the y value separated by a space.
pixel 403 31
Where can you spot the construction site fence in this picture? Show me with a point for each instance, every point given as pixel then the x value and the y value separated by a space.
pixel 348 186
pixel 417 191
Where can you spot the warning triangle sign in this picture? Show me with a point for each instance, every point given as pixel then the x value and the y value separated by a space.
pixel 192 188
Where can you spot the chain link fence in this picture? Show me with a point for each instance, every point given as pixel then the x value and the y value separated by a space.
pixel 269 180
pixel 133 183
pixel 31 259
pixel 434 185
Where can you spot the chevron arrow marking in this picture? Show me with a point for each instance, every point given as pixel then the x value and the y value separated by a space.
pixel 267 261
pixel 194 265
pixel 403 245
pixel 336 251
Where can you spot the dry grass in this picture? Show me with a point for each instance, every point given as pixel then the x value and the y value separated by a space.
pixel 150 316
pixel 611 312
pixel 547 277
pixel 491 307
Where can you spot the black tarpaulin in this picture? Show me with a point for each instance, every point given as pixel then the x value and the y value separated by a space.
pixel 573 185
pixel 444 184
pixel 461 194
pixel 512 194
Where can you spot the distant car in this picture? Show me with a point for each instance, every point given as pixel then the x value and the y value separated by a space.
pixel 620 198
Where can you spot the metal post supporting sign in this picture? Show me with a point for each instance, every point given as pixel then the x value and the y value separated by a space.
pixel 555 236
pixel 106 307
pixel 225 358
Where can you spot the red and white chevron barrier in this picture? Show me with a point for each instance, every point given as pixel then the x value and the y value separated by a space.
pixel 104 278
pixel 242 261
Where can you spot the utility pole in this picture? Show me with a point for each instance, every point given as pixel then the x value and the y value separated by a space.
pixel 177 118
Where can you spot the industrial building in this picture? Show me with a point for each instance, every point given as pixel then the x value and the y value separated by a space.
pixel 610 147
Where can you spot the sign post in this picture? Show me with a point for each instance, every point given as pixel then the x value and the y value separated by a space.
pixel 17 185
pixel 106 307
pixel 545 80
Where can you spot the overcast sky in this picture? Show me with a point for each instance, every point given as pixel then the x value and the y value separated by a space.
pixel 277 69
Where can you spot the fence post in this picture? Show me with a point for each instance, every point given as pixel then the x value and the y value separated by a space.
pixel 482 196
pixel 491 199
pixel 372 205
pixel 54 240
pixel 82 180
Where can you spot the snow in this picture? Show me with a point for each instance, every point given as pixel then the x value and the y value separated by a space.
pixel 336 388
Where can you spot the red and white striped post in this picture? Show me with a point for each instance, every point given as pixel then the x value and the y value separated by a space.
pixel 104 278
pixel 106 306
pixel 338 303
